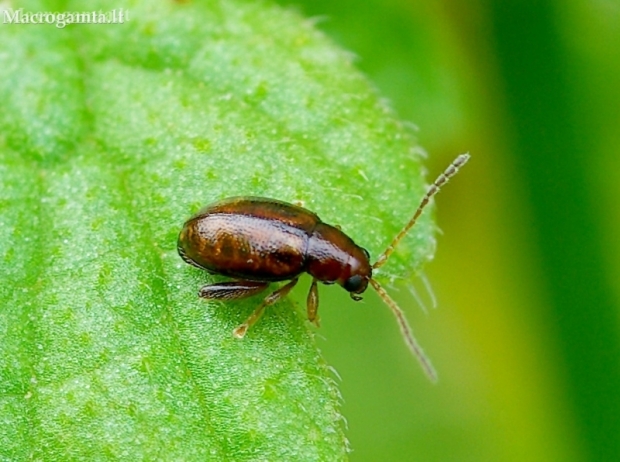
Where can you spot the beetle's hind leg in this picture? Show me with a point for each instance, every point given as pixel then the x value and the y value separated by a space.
pixel 231 290
pixel 272 298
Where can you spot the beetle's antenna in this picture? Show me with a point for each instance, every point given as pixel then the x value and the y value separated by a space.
pixel 442 179
pixel 410 340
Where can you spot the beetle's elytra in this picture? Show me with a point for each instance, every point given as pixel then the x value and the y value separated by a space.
pixel 257 241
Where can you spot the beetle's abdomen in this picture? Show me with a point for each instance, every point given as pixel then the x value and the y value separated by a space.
pixel 248 238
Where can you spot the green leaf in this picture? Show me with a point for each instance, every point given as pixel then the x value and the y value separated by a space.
pixel 112 136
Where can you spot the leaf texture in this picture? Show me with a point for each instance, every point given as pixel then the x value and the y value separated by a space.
pixel 113 135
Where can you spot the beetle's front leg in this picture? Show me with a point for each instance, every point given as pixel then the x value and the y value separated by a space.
pixel 312 304
pixel 232 290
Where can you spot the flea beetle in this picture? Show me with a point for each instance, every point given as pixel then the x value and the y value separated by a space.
pixel 256 241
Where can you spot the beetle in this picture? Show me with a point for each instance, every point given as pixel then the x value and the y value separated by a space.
pixel 257 241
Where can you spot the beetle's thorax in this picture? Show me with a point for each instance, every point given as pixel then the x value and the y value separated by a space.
pixel 332 256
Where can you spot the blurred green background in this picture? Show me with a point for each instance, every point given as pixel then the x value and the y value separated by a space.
pixel 526 337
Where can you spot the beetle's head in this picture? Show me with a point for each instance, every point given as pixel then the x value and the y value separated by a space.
pixel 357 273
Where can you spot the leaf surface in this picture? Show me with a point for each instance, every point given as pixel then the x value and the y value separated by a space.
pixel 112 136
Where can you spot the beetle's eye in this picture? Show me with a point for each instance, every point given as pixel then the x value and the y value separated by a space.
pixel 353 284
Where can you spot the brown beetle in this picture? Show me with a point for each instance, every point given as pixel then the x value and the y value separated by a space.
pixel 257 241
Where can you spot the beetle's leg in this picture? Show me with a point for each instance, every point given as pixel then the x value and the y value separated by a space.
pixel 312 304
pixel 240 331
pixel 231 290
